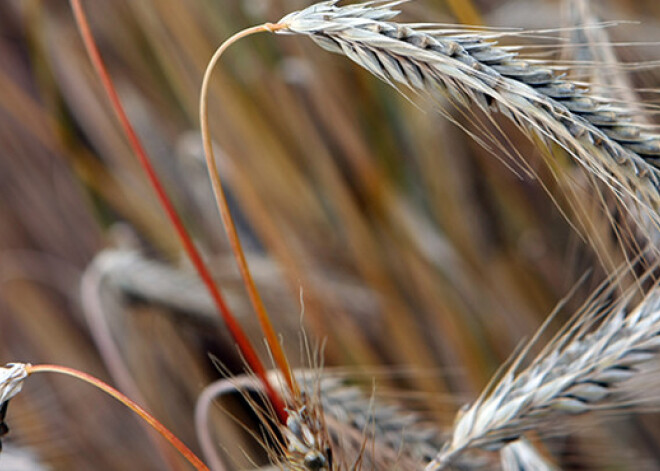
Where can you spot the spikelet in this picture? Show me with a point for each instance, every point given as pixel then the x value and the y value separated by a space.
pixel 522 456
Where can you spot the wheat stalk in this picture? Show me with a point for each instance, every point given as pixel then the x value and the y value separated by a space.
pixel 472 71
pixel 583 369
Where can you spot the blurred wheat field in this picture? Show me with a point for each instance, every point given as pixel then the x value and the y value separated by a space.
pixel 422 260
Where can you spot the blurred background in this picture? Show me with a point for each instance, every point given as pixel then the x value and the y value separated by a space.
pixel 421 259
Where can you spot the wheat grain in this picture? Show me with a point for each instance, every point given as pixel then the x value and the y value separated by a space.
pixel 472 71
pixel 583 369
pixel 522 456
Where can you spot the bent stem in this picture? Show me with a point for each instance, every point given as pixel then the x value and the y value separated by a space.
pixel 144 415
pixel 204 273
pixel 225 214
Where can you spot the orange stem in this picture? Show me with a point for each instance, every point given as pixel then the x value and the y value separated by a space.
pixel 234 327
pixel 144 415
pixel 225 214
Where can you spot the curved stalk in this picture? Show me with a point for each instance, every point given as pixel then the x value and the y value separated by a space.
pixel 144 415
pixel 225 214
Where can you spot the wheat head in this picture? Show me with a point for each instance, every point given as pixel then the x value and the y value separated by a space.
pixel 472 71
pixel 584 368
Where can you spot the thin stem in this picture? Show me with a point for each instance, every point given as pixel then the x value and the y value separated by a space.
pixel 225 214
pixel 144 415
pixel 234 327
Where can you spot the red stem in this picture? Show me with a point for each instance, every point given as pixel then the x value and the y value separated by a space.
pixel 144 415
pixel 234 327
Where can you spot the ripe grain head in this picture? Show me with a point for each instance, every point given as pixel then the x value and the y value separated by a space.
pixel 482 78
pixel 585 368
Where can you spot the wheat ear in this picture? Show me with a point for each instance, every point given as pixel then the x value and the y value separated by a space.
pixel 349 419
pixel 584 368
pixel 472 71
